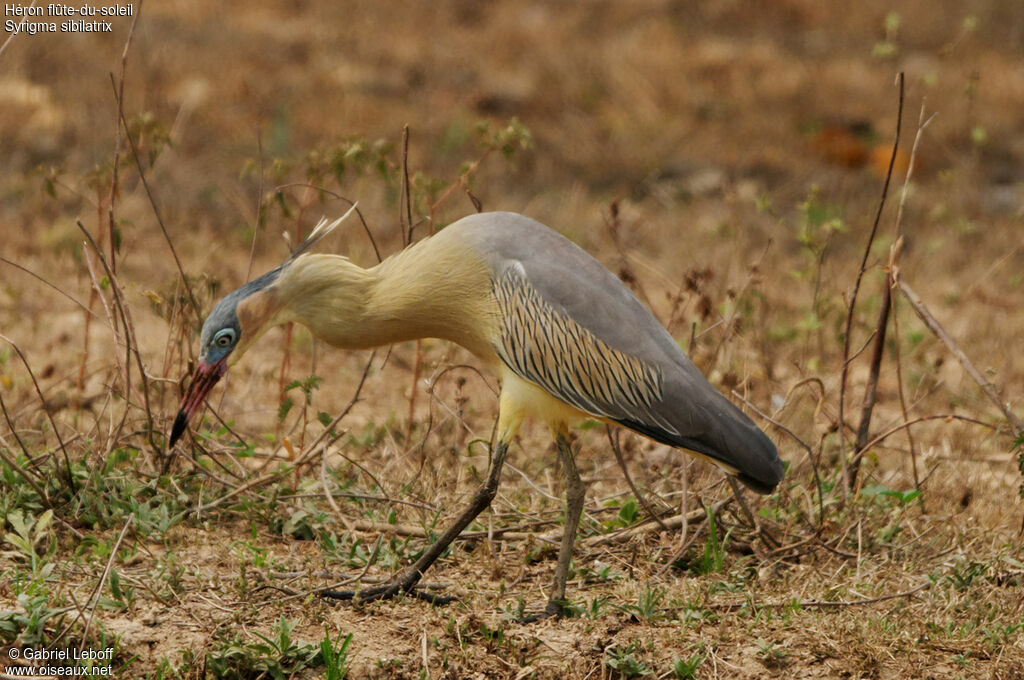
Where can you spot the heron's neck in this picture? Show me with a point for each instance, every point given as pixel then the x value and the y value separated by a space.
pixel 428 290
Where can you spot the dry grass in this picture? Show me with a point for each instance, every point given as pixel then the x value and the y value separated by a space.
pixel 704 154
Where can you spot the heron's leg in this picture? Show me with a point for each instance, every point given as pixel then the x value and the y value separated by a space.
pixel 408 578
pixel 574 495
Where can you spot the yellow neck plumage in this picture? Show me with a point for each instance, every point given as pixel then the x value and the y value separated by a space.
pixel 436 288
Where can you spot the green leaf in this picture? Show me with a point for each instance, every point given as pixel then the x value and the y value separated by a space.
pixel 284 408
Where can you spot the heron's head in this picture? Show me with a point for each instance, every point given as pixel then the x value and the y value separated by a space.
pixel 229 330
pixel 236 322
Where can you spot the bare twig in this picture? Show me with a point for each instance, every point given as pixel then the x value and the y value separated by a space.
pixel 819 604
pixel 42 400
pixel 129 335
pixel 51 285
pixel 920 419
pixel 13 33
pixel 935 327
pixel 856 288
pixel 369 563
pixel 259 209
pixel 103 579
pixel 870 392
pixel 364 497
pixel 669 523
pixel 681 550
pixel 730 321
pixel 156 210
pixel 43 498
pixel 406 217
pixel 119 94
pixel 123 365
pixel 798 440
pixel 871 389
pixel 462 181
pixel 362 218
pixel 894 252
pixel 613 439
pixel 304 458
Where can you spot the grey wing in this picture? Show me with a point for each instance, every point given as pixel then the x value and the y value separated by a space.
pixel 549 348
pixel 574 328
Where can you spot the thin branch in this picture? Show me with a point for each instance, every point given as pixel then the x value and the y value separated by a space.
pixel 129 335
pixel 921 419
pixel 119 95
pixel 613 439
pixel 304 458
pixel 645 527
pixel 42 400
pixel 44 499
pixel 42 280
pixel 259 209
pixel 818 604
pixel 871 389
pixel 935 327
pixel 406 190
pixel 98 590
pixel 894 252
pixel 798 440
pixel 13 33
pixel 856 289
pixel 362 219
pixel 156 211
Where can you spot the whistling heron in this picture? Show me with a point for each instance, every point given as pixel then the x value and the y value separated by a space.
pixel 567 338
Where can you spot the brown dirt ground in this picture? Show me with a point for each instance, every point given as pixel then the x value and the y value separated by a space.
pixel 717 128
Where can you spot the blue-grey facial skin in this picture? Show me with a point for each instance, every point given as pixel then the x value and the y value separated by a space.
pixel 221 334
pixel 225 316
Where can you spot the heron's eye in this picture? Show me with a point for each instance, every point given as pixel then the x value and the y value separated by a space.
pixel 224 338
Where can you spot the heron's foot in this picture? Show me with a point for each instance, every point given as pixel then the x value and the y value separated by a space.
pixel 555 609
pixel 385 592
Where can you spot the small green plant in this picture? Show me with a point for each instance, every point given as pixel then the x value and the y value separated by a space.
pixel 884 497
pixel 493 637
pixel 28 626
pixel 599 573
pixel 123 595
pixel 571 610
pixel 686 669
pixel 335 655
pixel 28 534
pixel 513 136
pixel 713 560
pixel 303 524
pixel 306 387
pixel 693 614
pixel 902 497
pixel 153 517
pixel 887 48
pixel 646 608
pixel 771 654
pixel 965 572
pixel 515 611
pixel 627 514
pixel 595 606
pixel 625 663
pixel 277 657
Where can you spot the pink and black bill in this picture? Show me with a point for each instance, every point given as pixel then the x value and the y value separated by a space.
pixel 205 377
